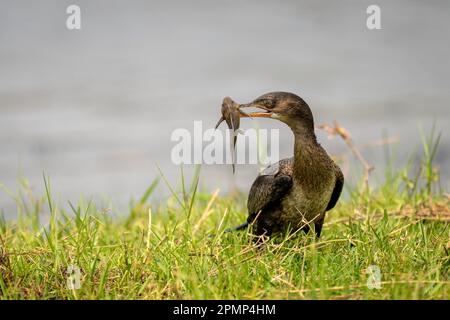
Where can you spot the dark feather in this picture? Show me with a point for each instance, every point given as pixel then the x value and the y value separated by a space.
pixel 269 187
pixel 337 189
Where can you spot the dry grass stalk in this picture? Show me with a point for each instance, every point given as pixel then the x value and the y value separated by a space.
pixel 337 130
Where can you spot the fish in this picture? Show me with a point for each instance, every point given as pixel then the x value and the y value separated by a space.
pixel 231 114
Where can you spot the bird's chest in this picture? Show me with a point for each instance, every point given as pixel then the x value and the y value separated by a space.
pixel 307 200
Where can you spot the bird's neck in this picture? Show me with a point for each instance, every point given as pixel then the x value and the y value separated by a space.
pixel 312 166
pixel 307 154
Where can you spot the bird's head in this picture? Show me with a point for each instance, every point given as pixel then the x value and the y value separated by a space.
pixel 286 107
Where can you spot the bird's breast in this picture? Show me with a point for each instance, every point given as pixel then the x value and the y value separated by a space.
pixel 306 203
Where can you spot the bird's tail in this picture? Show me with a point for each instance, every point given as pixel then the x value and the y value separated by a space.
pixel 237 228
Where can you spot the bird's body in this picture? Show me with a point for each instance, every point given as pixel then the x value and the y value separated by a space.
pixel 296 192
pixel 301 190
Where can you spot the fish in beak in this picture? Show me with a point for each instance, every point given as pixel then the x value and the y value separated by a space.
pixel 232 113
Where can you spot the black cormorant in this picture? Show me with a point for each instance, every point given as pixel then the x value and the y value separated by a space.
pixel 294 193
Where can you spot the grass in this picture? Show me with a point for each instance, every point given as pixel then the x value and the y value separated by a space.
pixel 167 251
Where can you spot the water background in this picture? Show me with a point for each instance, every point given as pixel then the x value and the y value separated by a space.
pixel 95 108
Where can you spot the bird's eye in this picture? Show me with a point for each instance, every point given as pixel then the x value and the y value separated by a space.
pixel 269 103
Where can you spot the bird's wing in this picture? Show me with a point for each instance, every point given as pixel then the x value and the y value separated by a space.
pixel 337 189
pixel 271 185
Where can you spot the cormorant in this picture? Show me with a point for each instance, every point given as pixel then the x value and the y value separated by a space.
pixel 296 192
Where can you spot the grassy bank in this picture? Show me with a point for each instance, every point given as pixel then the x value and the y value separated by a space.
pixel 167 252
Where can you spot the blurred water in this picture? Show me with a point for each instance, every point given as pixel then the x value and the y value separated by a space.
pixel 95 108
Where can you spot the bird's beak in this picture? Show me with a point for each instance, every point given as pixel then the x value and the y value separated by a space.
pixel 257 115
pixel 267 114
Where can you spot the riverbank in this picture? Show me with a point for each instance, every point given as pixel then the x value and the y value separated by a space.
pixel 389 242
